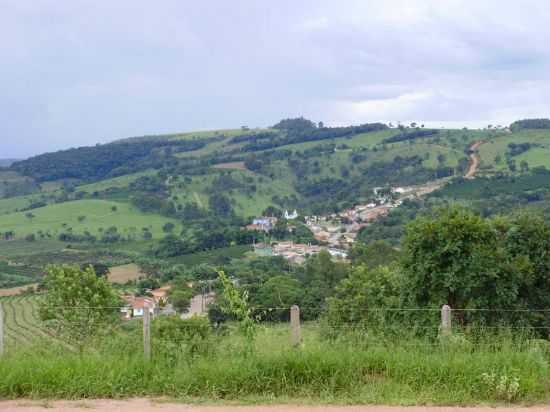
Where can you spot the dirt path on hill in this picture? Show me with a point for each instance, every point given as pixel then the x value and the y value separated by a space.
pixel 146 405
pixel 474 160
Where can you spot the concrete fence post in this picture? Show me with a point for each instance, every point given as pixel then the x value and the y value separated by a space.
pixel 446 320
pixel 1 330
pixel 295 332
pixel 146 333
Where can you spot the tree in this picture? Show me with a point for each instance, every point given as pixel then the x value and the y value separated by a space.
pixel 81 219
pixel 100 269
pixel 181 299
pixel 376 253
pixel 170 246
pixel 465 261
pixel 78 304
pixel 277 295
pixel 320 276
pixel 168 227
pixel 524 166
pixel 451 259
pixel 362 290
pixel 220 205
pixel 29 215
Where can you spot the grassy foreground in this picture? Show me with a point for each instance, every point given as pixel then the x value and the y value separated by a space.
pixel 349 370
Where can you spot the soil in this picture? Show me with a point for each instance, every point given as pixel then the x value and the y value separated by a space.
pixel 474 160
pixel 149 405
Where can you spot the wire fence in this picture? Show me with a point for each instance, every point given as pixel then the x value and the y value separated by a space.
pixel 21 324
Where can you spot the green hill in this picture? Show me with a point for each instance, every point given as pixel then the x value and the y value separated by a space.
pixel 204 186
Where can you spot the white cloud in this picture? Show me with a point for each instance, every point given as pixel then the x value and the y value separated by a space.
pixel 87 71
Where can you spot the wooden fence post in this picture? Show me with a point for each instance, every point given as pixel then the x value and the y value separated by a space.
pixel 146 333
pixel 1 330
pixel 295 331
pixel 446 320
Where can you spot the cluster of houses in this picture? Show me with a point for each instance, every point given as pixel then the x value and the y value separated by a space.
pixel 136 305
pixel 157 304
pixel 267 223
pixel 337 232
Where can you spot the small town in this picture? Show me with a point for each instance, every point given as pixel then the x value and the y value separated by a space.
pixel 336 232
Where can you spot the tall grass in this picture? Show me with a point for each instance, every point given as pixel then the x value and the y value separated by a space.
pixel 351 369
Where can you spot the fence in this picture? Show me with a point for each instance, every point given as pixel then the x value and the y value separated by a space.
pixel 443 328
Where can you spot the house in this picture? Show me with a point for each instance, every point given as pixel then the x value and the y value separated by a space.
pixel 264 224
pixel 160 295
pixel 136 306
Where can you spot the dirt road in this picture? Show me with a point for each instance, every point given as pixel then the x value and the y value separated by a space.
pixel 146 405
pixel 474 160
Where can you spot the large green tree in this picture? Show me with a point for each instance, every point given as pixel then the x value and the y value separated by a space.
pixel 456 258
pixel 78 304
pixel 497 269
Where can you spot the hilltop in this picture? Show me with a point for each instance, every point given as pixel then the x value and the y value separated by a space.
pixel 7 162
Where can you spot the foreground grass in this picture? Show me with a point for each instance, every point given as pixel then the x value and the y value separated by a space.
pixel 344 371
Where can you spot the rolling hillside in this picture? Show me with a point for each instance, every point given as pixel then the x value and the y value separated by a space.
pixel 204 186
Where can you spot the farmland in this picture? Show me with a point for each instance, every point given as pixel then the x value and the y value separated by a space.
pixel 98 215
pixel 17 274
pixel 124 273
pixel 22 323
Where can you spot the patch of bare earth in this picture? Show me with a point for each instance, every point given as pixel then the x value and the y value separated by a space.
pixel 231 165
pixel 148 405
pixel 474 160
pixel 16 290
pixel 124 273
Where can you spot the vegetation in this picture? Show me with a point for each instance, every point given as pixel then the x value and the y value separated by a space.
pixel 371 333
pixel 351 369
pixel 78 304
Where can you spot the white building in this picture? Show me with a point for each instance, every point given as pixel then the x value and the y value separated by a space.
pixel 290 216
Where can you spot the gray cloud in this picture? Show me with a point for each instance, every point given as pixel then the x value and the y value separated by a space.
pixel 88 71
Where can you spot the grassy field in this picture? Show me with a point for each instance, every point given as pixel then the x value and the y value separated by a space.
pixel 12 204
pixel 16 248
pixel 58 218
pixel 116 182
pixel 353 369
pixel 536 156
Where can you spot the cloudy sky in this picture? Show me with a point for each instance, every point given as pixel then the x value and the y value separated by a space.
pixel 80 72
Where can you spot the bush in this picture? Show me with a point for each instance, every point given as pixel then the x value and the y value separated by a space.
pixel 191 336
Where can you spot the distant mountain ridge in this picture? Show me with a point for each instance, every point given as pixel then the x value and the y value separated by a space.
pixel 7 162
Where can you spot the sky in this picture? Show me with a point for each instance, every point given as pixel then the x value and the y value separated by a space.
pixel 81 72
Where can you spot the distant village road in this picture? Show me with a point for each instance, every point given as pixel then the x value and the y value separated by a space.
pixel 147 405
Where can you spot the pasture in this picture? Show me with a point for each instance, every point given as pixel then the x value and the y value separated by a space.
pixel 536 156
pixel 79 216
pixel 116 182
